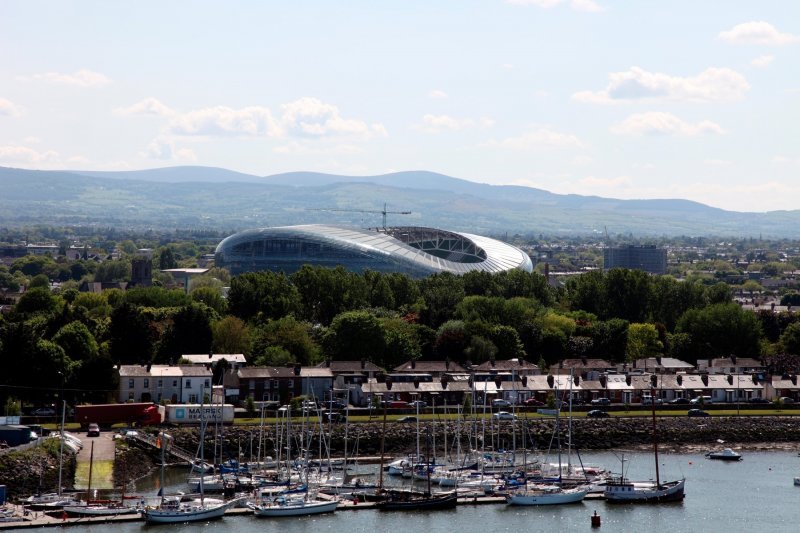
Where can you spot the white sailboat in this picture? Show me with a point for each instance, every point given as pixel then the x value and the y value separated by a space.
pixel 554 494
pixel 295 504
pixel 172 510
pixel 622 490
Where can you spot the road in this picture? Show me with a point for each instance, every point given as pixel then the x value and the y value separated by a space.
pixel 102 469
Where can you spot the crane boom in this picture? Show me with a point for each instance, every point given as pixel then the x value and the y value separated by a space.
pixel 383 211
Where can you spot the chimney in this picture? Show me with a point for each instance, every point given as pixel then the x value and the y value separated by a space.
pixel 550 380
pixel 363 364
pixel 413 364
pixel 327 363
pixel 416 383
pixel 296 370
pixel 730 379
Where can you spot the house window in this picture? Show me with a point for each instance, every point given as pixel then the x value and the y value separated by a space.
pixel 193 398
pixel 188 383
pixel 275 383
pixel 130 384
pixel 159 397
pixel 252 384
pixel 160 383
pixel 146 383
pixel 207 384
pixel 174 383
pixel 130 396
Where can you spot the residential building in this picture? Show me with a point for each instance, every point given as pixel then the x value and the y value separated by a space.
pixel 157 383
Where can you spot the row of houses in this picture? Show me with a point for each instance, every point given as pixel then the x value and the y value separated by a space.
pixel 445 382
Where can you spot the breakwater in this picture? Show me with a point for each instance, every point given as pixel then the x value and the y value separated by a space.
pixel 587 434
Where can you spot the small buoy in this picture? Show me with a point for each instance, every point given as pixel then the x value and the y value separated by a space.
pixel 595 520
pixel 355 500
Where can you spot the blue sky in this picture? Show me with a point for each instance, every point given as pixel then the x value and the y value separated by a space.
pixel 645 99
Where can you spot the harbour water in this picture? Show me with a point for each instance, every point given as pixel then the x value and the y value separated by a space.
pixel 756 494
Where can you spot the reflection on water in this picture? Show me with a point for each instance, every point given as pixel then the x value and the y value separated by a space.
pixel 754 494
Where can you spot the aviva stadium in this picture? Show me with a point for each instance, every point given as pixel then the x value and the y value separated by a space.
pixel 415 251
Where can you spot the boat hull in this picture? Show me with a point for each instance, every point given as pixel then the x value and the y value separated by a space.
pixel 547 497
pixel 184 514
pixel 413 503
pixel 295 509
pixel 627 492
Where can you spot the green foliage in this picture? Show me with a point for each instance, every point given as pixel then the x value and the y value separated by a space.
pixel 643 342
pixel 33 265
pixel 40 280
pixel 268 295
pixel 13 407
pixel 480 350
pixel 190 333
pixel 451 340
pixel 38 300
pixel 211 297
pixel 118 270
pixel 326 293
pixel 273 356
pixel 250 406
pixel 290 336
pixel 230 335
pixel 156 297
pixel 441 293
pixel 132 341
pixel 77 341
pixel 790 339
pixel 721 330
pixel 354 335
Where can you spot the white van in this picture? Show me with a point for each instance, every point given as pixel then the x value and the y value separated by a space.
pixel 705 400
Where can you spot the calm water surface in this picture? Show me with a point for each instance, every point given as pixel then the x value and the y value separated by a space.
pixel 754 495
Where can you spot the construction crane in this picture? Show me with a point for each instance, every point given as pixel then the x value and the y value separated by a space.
pixel 383 211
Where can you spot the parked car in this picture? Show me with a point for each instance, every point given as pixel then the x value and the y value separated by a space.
pixel 418 403
pixel 786 399
pixel 335 404
pixel 500 402
pixel 700 399
pixel 601 401
pixel 44 411
pixel 680 401
pixel 756 399
pixel 533 402
pixel 406 419
pixel 504 415
pixel 94 430
pixel 697 412
pixel 597 413
pixel 335 417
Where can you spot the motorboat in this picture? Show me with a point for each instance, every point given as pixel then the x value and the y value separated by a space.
pixel 725 455
pixel 546 495
pixel 293 505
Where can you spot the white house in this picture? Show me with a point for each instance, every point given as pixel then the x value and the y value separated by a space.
pixel 154 383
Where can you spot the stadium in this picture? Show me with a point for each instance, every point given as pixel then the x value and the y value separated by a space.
pixel 415 251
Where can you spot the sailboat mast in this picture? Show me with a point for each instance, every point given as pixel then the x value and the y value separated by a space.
pixel 655 435
pixel 383 443
pixel 61 448
pixel 89 484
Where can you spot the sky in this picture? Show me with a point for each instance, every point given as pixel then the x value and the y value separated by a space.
pixel 692 99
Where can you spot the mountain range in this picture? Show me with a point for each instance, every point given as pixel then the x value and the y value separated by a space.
pixel 216 198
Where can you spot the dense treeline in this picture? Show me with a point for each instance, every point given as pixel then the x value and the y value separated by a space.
pixel 70 340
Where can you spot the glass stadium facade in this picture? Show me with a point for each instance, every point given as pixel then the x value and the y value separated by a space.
pixel 415 251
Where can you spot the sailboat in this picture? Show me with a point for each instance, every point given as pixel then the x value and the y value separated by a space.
pixel 288 503
pixel 550 494
pixel 172 510
pixel 404 500
pixel 54 500
pixel 97 508
pixel 622 490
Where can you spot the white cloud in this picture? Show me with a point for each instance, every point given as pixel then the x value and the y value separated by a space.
pixel 546 4
pixel 149 106
pixel 165 150
pixel 762 61
pixel 578 5
pixel 659 123
pixel 225 121
pixel 80 78
pixel 757 32
pixel 539 138
pixel 718 162
pixel 586 5
pixel 595 182
pixel 637 84
pixel 440 123
pixel 14 154
pixel 508 66
pixel 9 108
pixel 305 148
pixel 436 93
pixel 310 117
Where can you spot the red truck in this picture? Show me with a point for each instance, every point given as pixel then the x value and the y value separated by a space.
pixel 108 414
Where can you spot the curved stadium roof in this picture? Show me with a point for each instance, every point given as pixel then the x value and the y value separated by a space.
pixel 416 251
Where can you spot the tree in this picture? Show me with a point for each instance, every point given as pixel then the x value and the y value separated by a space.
pixel 190 333
pixel 326 292
pixel 38 300
pixel 40 280
pixel 288 334
pixel 441 294
pixel 451 340
pixel 166 259
pixel 130 335
pixel 354 335
pixel 230 335
pixel 721 330
pixel 790 339
pixel 210 297
pixel 643 342
pixel 77 341
pixel 263 294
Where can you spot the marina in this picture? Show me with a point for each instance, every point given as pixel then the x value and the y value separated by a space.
pixel 714 502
